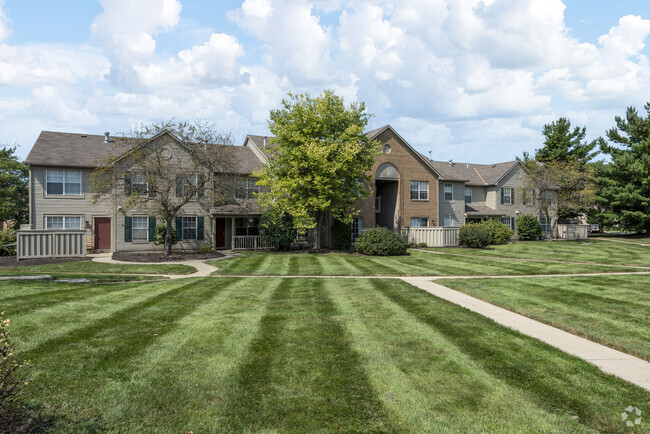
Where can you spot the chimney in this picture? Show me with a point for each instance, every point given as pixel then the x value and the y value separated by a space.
pixel 430 155
pixel 264 146
pixel 106 134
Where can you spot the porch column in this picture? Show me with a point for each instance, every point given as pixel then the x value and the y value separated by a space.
pixel 213 221
pixel 232 233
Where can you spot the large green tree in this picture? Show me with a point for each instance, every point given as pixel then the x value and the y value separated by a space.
pixel 14 187
pixel 563 144
pixel 624 183
pixel 320 162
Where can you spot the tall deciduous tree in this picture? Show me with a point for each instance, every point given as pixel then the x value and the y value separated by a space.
pixel 170 164
pixel 14 187
pixel 320 162
pixel 624 183
pixel 561 143
pixel 546 182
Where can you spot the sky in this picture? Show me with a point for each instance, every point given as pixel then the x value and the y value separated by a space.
pixel 468 80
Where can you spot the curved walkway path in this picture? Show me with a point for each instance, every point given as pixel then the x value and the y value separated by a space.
pixel 622 365
pixel 202 269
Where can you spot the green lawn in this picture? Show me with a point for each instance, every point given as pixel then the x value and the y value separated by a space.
pixel 294 355
pixel 98 267
pixel 95 278
pixel 612 310
pixel 415 264
pixel 592 250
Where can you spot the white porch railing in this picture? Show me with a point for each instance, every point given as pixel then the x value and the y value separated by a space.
pixel 249 242
pixel 50 244
pixel 433 237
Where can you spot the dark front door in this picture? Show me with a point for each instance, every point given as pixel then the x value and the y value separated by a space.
pixel 220 232
pixel 102 233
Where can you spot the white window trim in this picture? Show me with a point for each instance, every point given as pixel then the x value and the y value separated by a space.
pixel 133 229
pixel 451 220
pixel 196 228
pixel 507 192
pixel 81 183
pixel 471 194
pixel 146 183
pixel 64 217
pixel 377 204
pixel 359 227
pixel 421 219
pixel 530 200
pixel 419 190
pixel 444 192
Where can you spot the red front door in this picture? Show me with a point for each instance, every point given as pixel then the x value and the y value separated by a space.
pixel 102 233
pixel 220 232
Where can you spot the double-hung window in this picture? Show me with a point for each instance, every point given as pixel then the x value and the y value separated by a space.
pixel 528 197
pixel 468 194
pixel 419 190
pixel 419 222
pixel 63 182
pixel 139 184
pixel 246 188
pixel 63 222
pixel 247 226
pixel 507 196
pixel 189 228
pixel 140 228
pixel 355 226
pixel 449 192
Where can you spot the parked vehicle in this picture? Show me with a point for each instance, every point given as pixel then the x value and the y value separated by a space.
pixel 594 228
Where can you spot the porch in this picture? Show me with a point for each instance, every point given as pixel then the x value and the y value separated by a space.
pixel 238 232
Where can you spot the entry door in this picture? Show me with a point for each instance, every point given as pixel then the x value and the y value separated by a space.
pixel 102 233
pixel 220 232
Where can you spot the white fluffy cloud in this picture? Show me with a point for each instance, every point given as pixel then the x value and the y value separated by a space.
pixel 467 79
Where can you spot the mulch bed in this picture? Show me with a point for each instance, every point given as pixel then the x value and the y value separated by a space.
pixel 160 257
pixel 10 261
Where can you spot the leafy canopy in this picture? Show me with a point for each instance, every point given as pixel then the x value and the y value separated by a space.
pixel 624 184
pixel 320 161
pixel 14 187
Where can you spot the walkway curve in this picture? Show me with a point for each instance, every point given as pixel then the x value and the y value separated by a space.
pixel 608 360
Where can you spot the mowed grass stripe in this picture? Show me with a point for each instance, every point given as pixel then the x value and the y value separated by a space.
pixel 426 381
pixel 54 320
pixel 549 378
pixel 612 310
pixel 107 347
pixel 185 378
pixel 415 264
pixel 301 373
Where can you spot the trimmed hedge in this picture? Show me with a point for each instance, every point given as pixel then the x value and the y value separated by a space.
pixel 341 233
pixel 380 242
pixel 499 232
pixel 474 235
pixel 528 228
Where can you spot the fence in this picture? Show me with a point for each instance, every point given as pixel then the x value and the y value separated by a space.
pixel 249 242
pixel 433 237
pixel 50 244
pixel 572 232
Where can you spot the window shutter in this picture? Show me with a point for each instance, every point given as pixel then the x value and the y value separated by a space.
pixel 199 228
pixel 179 186
pixel 128 229
pixel 127 183
pixel 152 228
pixel 201 187
pixel 512 196
pixel 502 195
pixel 179 228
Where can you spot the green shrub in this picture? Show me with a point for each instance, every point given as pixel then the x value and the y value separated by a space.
pixel 499 233
pixel 473 235
pixel 341 233
pixel 528 228
pixel 421 245
pixel 206 248
pixel 12 376
pixel 380 242
pixel 276 228
pixel 161 233
pixel 7 236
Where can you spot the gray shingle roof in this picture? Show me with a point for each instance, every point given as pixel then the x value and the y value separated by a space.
pixel 86 150
pixel 474 174
pixel 472 209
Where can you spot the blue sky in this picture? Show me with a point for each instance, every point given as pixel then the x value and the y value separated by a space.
pixel 470 80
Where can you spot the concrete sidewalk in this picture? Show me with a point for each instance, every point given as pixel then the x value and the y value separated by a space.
pixel 202 269
pixel 608 360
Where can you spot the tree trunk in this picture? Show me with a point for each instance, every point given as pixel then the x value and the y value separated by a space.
pixel 319 226
pixel 647 228
pixel 168 237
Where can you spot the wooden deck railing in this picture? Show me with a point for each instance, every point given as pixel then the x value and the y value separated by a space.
pixel 50 244
pixel 433 237
pixel 250 242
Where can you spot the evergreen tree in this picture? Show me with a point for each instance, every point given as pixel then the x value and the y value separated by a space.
pixel 14 188
pixel 562 144
pixel 624 184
